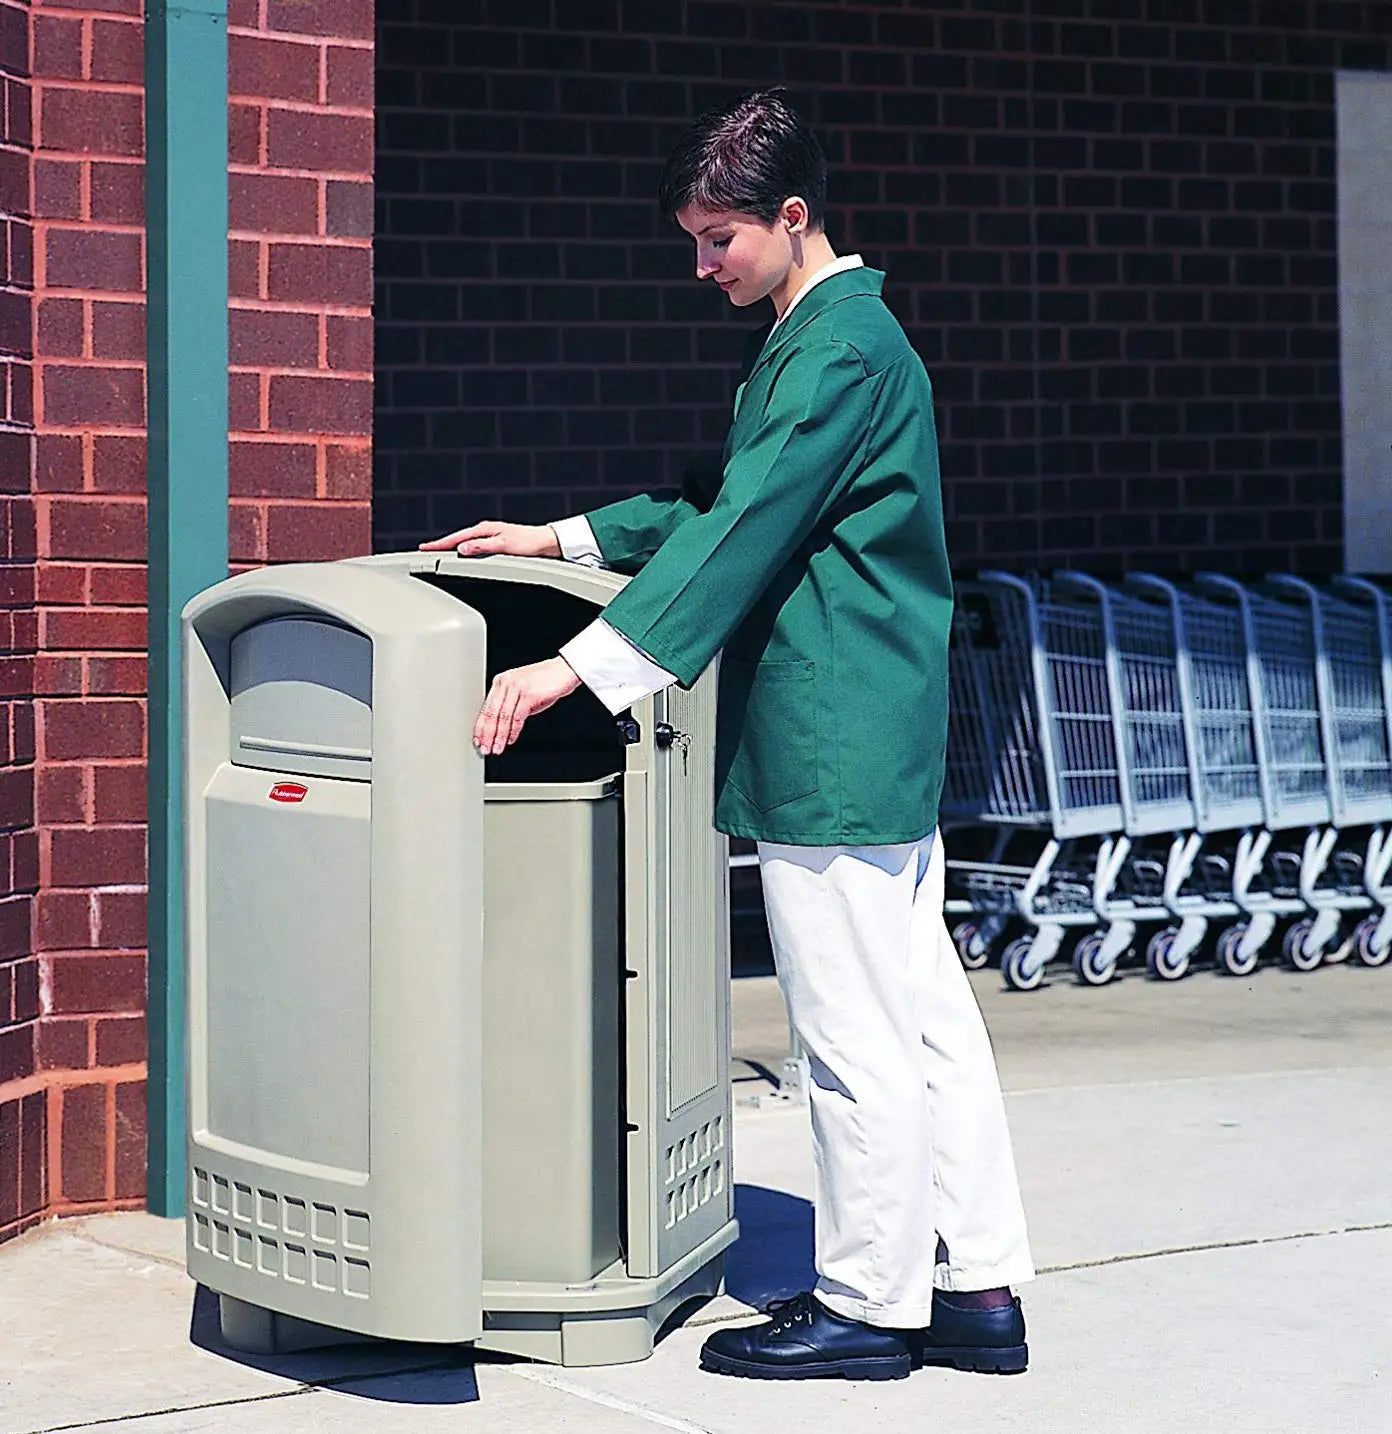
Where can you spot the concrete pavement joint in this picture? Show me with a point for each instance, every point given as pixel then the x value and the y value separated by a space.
pixel 562 1385
pixel 338 1381
pixel 731 1316
pixel 1214 1245
pixel 86 1239
pixel 1208 1078
pixel 175 1409
pixel 698 1323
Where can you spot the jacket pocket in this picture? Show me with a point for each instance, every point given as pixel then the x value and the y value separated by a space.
pixel 775 757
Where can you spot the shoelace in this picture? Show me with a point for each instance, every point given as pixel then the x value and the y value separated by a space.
pixel 786 1313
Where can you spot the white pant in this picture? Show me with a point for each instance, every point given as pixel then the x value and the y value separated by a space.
pixel 908 1126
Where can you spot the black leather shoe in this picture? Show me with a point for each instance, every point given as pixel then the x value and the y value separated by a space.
pixel 990 1341
pixel 802 1339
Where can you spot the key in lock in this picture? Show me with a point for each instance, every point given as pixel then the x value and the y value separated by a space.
pixel 665 735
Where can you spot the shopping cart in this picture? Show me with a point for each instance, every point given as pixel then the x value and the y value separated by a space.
pixel 1153 779
pixel 1214 689
pixel 1273 866
pixel 1339 860
pixel 994 782
pixel 1372 938
pixel 1032 771
pixel 1212 755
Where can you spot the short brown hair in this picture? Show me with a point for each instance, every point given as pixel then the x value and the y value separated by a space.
pixel 748 156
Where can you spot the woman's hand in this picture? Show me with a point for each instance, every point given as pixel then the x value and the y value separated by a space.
pixel 517 695
pixel 520 539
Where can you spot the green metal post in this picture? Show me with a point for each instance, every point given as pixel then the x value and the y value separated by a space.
pixel 186 267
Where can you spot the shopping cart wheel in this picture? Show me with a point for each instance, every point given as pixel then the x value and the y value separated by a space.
pixel 1293 948
pixel 1363 943
pixel 1092 968
pixel 1161 961
pixel 974 952
pixel 1015 965
pixel 1229 954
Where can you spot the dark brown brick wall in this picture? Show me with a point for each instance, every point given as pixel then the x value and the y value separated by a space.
pixel 1108 227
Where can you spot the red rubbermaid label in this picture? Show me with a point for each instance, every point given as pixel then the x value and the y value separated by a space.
pixel 289 792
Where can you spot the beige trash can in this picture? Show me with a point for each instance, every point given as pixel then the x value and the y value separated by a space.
pixel 458 1027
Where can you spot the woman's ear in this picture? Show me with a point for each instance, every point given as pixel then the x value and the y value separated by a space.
pixel 795 214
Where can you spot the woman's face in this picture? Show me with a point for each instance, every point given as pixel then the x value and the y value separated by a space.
pixel 748 258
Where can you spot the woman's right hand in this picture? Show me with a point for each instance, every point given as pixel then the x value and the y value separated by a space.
pixel 519 539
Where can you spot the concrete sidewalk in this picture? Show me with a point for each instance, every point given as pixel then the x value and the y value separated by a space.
pixel 1208 1177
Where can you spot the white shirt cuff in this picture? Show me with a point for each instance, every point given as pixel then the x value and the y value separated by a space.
pixel 577 541
pixel 614 669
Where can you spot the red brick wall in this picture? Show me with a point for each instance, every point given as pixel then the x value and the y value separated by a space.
pixel 89 676
pixel 23 1187
pixel 300 386
pixel 301 278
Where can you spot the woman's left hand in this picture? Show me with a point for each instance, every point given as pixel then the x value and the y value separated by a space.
pixel 517 695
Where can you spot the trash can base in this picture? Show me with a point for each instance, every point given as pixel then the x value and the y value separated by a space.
pixel 254 1330
pixel 578 1338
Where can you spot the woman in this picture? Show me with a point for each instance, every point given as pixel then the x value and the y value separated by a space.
pixel 813 558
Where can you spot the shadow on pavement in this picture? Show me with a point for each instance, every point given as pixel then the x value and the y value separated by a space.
pixel 369 1369
pixel 772 1258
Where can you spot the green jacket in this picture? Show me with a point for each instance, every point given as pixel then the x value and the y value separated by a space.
pixel 815 558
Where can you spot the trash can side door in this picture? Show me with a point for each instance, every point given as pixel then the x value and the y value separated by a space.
pixel 677 939
pixel 333 937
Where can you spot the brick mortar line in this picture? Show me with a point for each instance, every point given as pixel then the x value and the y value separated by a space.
pixel 101 226
pixel 290 171
pixel 327 308
pixel 297 36
pixel 46 1079
pixel 357 375
pixel 103 87
pixel 138 366
pixel 31 1084
pixel 102 654
pixel 301 240
pixel 79 762
pixel 307 501
pixel 302 107
pixel 65 84
pixel 103 495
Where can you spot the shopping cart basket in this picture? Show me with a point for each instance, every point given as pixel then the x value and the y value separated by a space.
pixel 1032 762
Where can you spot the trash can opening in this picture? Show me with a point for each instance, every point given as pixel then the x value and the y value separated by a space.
pixel 577 740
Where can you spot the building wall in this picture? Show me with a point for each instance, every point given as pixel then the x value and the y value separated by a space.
pixel 1109 230
pixel 300 178
pixel 23 1182
pixel 1365 316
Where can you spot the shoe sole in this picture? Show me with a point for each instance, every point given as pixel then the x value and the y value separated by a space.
pixel 977 1359
pixel 894 1367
